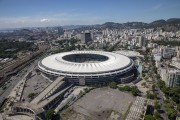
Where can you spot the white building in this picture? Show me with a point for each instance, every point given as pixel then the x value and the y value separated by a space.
pixel 173 78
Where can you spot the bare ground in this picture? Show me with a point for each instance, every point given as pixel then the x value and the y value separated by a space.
pixel 99 103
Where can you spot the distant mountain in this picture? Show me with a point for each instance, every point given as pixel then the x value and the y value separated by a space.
pixel 172 24
pixel 73 26
pixel 164 22
pixel 111 25
pixel 174 20
pixel 135 24
pixel 158 23
pixel 124 25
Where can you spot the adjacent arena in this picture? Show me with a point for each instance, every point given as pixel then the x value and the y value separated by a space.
pixel 89 67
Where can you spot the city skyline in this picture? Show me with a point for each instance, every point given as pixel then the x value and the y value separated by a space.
pixel 24 13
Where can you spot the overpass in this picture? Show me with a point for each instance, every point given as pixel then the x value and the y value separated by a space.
pixel 49 90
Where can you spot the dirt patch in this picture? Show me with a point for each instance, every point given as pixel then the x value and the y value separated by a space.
pixel 99 103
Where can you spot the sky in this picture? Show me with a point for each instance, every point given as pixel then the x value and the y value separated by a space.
pixel 42 13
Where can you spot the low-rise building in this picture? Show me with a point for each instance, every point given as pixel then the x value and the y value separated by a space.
pixel 168 52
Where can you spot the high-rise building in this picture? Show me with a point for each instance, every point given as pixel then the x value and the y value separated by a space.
pixel 178 51
pixel 60 31
pixel 85 37
pixel 141 41
pixel 173 78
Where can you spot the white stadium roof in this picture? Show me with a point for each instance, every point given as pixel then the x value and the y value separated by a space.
pixel 129 53
pixel 115 61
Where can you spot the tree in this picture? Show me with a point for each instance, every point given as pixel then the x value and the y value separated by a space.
pixel 155 95
pixel 157 116
pixel 81 92
pixel 31 95
pixel 145 58
pixel 86 90
pixel 143 75
pixel 158 76
pixel 170 109
pixel 161 84
pixel 135 91
pixel 175 98
pixel 171 92
pixel 156 105
pixel 178 107
pixel 153 87
pixel 147 94
pixel 171 114
pixel 146 78
pixel 113 84
pixel 143 84
pixel 149 117
pixel 50 114
pixel 167 42
pixel 127 88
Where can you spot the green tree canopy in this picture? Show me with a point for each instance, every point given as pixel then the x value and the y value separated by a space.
pixel 50 114
pixel 113 84
pixel 149 117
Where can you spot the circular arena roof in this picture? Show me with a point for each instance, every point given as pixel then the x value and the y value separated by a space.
pixel 85 62
pixel 129 53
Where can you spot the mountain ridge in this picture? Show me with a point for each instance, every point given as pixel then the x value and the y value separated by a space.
pixel 172 24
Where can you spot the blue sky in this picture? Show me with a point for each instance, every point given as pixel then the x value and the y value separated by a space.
pixel 32 13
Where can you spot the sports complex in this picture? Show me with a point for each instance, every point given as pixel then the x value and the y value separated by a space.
pixel 76 68
pixel 89 67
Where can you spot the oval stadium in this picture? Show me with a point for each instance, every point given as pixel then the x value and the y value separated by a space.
pixel 89 67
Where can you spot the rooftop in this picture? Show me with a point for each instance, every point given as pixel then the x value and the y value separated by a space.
pixel 113 62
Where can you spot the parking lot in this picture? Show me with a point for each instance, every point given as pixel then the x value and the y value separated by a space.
pixel 35 84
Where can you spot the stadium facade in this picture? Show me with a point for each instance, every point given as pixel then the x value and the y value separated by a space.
pixel 89 67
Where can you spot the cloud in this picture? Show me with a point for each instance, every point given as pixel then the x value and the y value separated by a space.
pixel 157 7
pixel 49 19
pixel 44 20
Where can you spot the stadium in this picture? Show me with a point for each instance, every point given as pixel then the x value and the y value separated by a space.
pixel 89 67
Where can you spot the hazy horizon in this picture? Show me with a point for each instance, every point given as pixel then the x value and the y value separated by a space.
pixel 46 13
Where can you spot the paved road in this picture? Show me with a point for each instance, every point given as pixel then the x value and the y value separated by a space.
pixel 161 101
pixel 14 80
pixel 160 98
